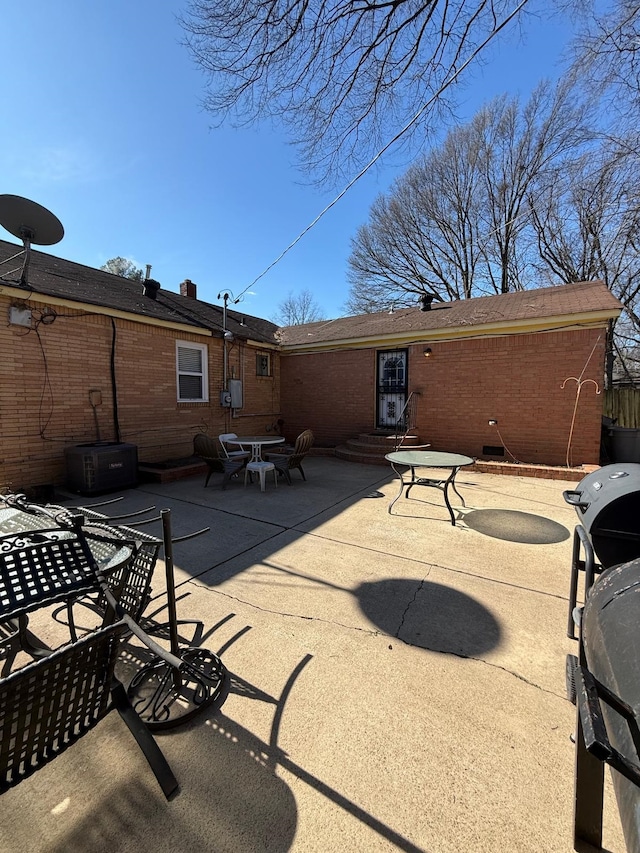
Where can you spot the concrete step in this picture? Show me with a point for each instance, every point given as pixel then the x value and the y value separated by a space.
pixel 371 448
pixel 344 452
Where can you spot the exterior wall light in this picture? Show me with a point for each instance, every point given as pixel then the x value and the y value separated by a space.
pixel 427 352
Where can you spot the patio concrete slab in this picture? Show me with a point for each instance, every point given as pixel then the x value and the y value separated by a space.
pixel 396 683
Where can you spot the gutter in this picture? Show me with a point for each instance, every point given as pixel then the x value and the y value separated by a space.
pixel 586 320
pixel 86 307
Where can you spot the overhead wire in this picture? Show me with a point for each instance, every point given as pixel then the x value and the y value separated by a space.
pixel 447 83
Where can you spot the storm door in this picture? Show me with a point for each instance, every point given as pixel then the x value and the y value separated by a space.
pixel 391 387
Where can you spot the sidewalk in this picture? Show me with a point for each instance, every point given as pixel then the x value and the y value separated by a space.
pixel 397 682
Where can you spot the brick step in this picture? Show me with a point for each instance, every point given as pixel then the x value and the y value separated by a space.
pixel 346 453
pixel 381 444
pixel 372 447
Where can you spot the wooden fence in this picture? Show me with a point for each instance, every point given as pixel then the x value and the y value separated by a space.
pixel 623 404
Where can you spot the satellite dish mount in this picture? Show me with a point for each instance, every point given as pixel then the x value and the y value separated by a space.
pixel 32 223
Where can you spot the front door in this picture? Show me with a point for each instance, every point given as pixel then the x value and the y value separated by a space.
pixel 392 387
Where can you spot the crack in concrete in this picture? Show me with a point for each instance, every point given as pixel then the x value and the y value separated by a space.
pixel 408 607
pixel 373 633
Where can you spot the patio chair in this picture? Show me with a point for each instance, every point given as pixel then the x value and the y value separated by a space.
pixel 231 454
pixel 38 569
pixel 131 583
pixel 48 705
pixel 208 450
pixel 286 462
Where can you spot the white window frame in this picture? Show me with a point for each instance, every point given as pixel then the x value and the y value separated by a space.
pixel 204 373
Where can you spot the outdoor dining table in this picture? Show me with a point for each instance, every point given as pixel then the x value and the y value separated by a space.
pixel 256 442
pixel 413 459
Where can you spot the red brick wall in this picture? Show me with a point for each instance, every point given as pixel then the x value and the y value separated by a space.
pixel 45 380
pixel 331 393
pixel 515 380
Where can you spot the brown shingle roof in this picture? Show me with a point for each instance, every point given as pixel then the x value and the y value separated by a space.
pixel 52 276
pixel 565 300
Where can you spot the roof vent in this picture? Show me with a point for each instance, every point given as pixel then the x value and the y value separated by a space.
pixel 425 302
pixel 150 287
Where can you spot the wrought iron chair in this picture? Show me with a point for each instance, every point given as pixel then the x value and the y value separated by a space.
pixel 30 580
pixel 286 462
pixel 208 450
pixel 131 583
pixel 50 565
pixel 50 704
pixel 38 568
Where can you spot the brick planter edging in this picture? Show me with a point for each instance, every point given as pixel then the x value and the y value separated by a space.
pixel 545 472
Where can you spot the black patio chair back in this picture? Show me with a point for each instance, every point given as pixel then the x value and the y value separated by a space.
pixel 130 583
pixel 208 450
pixel 47 706
pixel 42 566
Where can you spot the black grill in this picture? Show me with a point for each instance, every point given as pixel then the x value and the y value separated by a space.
pixel 607 676
pixel 604 678
pixel 608 506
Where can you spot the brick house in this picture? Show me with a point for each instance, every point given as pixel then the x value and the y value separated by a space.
pixel 87 355
pixel 90 356
pixel 514 358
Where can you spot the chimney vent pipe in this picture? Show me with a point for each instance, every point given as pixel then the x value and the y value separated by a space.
pixel 188 288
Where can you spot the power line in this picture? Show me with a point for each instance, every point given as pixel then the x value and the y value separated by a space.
pixel 391 142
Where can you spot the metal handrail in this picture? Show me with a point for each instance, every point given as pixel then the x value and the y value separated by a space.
pixel 407 420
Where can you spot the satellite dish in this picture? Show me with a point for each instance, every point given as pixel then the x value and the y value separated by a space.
pixel 32 223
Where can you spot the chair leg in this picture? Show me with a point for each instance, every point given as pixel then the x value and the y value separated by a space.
pixel 206 482
pixel 302 472
pixel 145 740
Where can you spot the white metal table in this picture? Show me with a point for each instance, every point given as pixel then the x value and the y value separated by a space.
pixel 256 443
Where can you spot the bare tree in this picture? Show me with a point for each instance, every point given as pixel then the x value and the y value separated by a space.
pixel 520 145
pixel 296 310
pixel 587 223
pixel 342 76
pixel 123 267
pixel 454 225
pixel 608 56
pixel 422 237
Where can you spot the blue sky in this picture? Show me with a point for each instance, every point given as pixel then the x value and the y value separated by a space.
pixel 103 125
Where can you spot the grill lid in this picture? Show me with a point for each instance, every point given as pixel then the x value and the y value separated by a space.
pixel 604 486
pixel 607 502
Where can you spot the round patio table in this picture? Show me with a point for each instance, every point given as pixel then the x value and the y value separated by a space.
pixel 256 442
pixel 412 459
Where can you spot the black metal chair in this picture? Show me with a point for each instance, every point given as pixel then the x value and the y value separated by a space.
pixel 37 569
pixel 131 583
pixel 208 450
pixel 48 705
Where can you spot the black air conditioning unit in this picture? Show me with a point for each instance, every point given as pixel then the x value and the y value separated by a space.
pixel 101 467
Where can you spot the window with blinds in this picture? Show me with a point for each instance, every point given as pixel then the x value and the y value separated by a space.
pixel 191 370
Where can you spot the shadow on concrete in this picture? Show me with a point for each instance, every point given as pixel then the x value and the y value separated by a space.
pixel 429 616
pixel 422 613
pixel 242 805
pixel 515 526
